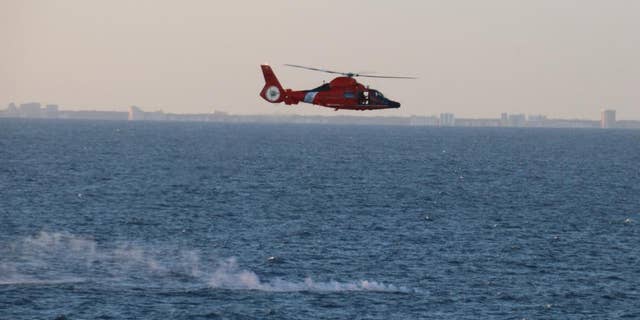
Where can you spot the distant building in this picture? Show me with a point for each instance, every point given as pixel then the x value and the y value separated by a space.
pixel 12 110
pixel 155 116
pixel 93 115
pixel 536 120
pixel 51 111
pixel 537 117
pixel 517 120
pixel 571 123
pixel 135 113
pixel 30 110
pixel 504 119
pixel 478 123
pixel 423 121
pixel 608 119
pixel 447 120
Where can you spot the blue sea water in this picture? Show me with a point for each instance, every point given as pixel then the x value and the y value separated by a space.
pixel 148 220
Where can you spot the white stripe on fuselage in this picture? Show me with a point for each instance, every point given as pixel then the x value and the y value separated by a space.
pixel 308 98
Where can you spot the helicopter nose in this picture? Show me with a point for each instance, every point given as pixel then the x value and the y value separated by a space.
pixel 394 104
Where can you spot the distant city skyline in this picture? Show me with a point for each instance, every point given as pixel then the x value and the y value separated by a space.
pixel 563 59
pixel 35 110
pixel 283 109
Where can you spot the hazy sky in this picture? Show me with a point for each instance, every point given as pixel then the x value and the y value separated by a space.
pixel 562 58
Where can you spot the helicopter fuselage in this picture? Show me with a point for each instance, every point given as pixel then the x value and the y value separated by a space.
pixel 340 93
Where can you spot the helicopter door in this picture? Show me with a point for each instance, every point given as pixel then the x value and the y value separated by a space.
pixel 364 97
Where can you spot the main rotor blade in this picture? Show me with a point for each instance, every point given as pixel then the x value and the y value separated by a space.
pixel 348 74
pixel 385 77
pixel 315 69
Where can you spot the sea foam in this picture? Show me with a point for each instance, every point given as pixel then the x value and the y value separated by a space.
pixel 229 275
pixel 59 257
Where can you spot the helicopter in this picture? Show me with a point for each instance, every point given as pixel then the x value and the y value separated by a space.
pixel 343 92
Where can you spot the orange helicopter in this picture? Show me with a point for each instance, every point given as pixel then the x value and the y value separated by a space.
pixel 343 92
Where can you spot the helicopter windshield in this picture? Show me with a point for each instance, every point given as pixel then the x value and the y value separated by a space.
pixel 377 94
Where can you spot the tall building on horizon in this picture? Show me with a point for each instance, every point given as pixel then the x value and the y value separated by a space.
pixel 607 119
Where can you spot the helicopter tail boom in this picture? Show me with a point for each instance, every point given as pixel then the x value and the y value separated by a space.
pixel 272 90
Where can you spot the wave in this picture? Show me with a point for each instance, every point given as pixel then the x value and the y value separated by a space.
pixel 229 276
pixel 58 257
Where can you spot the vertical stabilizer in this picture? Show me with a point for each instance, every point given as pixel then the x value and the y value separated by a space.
pixel 272 90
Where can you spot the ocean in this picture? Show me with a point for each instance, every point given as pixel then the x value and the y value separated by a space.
pixel 162 220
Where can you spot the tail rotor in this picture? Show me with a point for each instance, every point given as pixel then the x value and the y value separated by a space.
pixel 272 90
